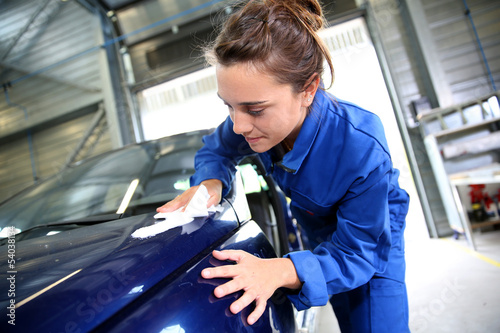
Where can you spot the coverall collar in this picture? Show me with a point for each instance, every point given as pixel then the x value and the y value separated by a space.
pixel 292 160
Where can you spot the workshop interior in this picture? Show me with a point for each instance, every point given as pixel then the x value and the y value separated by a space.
pixel 90 87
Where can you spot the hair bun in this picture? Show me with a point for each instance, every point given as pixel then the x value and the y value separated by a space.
pixel 308 10
pixel 312 6
pixel 278 37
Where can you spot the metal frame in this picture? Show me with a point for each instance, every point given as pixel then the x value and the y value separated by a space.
pixel 398 109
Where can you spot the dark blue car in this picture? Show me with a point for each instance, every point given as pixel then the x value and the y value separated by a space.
pixel 71 264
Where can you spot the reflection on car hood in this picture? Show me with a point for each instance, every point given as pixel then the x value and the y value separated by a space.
pixel 86 275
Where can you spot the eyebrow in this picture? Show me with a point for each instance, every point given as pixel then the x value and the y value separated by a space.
pixel 245 103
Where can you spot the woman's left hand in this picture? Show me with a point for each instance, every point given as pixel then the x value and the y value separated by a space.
pixel 258 278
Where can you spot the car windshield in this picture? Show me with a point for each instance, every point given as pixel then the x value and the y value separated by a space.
pixel 128 181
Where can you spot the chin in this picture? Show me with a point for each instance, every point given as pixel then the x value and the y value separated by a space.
pixel 256 150
pixel 260 148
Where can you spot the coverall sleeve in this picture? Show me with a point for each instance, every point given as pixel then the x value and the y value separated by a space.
pixel 358 248
pixel 217 159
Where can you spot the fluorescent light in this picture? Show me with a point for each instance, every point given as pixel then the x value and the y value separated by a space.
pixel 128 196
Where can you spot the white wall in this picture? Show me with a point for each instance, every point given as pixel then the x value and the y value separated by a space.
pixel 359 79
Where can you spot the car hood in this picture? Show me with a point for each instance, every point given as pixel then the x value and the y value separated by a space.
pixel 87 274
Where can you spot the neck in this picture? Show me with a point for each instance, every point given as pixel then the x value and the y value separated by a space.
pixel 287 145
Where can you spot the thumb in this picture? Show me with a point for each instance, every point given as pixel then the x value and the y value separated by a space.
pixel 214 200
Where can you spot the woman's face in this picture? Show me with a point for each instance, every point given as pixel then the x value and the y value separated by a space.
pixel 262 110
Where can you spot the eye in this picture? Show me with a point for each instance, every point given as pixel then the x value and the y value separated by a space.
pixel 255 113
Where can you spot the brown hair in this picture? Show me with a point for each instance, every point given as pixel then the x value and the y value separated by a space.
pixel 278 37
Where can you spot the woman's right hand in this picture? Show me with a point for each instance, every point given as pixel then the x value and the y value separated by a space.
pixel 214 188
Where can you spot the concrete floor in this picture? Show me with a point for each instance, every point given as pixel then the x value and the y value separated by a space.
pixel 450 287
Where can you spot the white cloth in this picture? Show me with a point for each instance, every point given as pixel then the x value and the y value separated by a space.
pixel 197 207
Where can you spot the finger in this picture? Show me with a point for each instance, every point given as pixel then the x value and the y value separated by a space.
pixel 170 206
pixel 213 283
pixel 214 188
pixel 245 300
pixel 212 299
pixel 216 262
pixel 260 307
pixel 228 288
pixel 224 271
pixel 214 200
pixel 180 201
pixel 233 255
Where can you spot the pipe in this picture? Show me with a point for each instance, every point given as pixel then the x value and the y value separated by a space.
pixel 469 15
pixel 28 131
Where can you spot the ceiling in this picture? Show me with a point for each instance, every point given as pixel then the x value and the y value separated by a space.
pixel 116 5
pixel 151 29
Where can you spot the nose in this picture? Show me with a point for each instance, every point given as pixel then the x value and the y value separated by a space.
pixel 242 123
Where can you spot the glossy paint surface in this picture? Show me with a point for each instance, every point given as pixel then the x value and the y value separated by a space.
pixel 121 284
pixel 187 303
pixel 110 269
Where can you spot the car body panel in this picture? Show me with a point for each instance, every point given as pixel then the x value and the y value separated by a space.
pixel 187 304
pixel 113 267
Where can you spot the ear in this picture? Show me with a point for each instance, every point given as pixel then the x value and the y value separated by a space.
pixel 310 89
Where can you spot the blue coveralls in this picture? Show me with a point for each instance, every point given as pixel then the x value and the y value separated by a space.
pixel 344 193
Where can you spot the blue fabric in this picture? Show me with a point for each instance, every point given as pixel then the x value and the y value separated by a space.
pixel 344 193
pixel 377 306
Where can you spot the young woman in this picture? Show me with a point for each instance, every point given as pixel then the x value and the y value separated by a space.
pixel 330 158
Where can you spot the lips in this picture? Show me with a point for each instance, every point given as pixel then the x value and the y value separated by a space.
pixel 252 140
